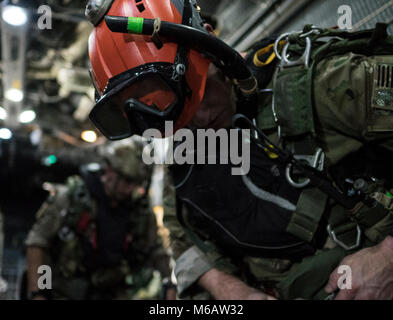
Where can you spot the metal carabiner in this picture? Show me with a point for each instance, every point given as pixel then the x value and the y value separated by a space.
pixel 304 59
pixel 316 161
pixel 342 244
pixel 285 35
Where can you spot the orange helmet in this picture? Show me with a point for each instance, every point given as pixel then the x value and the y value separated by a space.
pixel 132 73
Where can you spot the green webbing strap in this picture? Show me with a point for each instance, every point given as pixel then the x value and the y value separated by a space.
pixel 307 145
pixel 308 279
pixel 309 210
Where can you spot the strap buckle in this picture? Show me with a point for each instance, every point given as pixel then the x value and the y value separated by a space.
pixel 316 161
pixel 334 236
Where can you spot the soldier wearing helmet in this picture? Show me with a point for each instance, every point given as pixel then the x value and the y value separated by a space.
pixel 98 233
pixel 156 61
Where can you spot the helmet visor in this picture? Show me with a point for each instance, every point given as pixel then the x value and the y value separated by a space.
pixel 134 104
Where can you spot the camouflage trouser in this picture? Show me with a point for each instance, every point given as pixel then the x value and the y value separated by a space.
pixel 350 106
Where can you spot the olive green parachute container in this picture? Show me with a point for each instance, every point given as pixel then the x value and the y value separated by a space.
pixel 334 88
pixel 346 87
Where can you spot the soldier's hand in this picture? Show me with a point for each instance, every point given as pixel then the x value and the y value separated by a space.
pixel 372 274
pixel 258 295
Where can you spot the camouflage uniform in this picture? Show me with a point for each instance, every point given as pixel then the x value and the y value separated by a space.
pixel 347 118
pixel 68 231
pixel 89 260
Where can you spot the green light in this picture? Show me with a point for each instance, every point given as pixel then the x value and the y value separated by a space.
pixel 50 160
pixel 389 194
pixel 135 25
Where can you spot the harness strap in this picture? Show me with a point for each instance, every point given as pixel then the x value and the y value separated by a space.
pixel 309 211
pixel 306 145
pixel 192 235
pixel 187 13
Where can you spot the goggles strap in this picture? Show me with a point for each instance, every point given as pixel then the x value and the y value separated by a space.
pixel 187 13
pixel 181 61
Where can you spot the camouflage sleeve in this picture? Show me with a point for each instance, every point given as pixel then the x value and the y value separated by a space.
pixel 158 254
pixel 191 261
pixel 179 242
pixel 48 219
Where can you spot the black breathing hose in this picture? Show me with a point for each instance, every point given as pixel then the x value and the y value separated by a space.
pixel 191 37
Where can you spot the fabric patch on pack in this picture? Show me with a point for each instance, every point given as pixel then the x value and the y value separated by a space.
pixel 382 95
pixel 383 87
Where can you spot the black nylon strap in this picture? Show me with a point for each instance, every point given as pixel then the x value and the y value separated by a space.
pixel 193 236
pixel 182 51
pixel 179 211
pixel 187 13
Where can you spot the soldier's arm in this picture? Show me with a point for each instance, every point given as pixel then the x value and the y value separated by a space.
pixel 223 286
pixel 36 257
pixel 158 254
pixel 48 221
pixel 179 242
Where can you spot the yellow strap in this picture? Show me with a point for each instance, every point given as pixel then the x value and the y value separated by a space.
pixel 259 63
pixel 271 154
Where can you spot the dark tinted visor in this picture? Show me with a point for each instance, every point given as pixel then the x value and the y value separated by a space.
pixel 152 92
